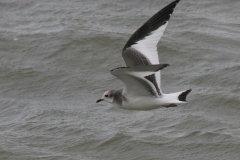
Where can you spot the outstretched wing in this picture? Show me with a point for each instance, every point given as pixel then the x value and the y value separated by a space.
pixel 141 48
pixel 134 82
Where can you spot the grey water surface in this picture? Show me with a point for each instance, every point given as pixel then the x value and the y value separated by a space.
pixel 55 58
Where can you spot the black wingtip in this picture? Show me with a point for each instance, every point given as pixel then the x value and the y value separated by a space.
pixel 176 2
pixel 183 95
pixel 166 65
pixel 161 66
pixel 118 68
pixel 157 20
pixel 154 68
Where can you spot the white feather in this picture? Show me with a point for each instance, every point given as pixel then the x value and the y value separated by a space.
pixel 148 47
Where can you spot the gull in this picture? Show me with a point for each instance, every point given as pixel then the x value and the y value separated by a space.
pixel 141 76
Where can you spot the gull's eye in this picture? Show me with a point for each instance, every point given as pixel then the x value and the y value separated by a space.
pixel 106 95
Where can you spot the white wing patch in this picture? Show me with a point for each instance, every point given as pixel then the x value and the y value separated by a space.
pixel 148 47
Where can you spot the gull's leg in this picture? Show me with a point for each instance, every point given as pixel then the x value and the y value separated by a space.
pixel 171 105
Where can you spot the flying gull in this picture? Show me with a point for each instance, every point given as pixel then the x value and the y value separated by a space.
pixel 141 76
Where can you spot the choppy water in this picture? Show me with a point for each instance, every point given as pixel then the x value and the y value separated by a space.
pixel 55 59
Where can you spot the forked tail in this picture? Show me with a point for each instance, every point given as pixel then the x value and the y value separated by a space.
pixel 182 97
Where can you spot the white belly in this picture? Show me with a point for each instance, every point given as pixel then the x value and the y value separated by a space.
pixel 143 103
pixel 149 103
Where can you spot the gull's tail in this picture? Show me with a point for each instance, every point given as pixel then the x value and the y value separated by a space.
pixel 178 97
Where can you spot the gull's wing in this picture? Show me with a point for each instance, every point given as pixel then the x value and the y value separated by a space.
pixel 141 48
pixel 134 82
pixel 143 43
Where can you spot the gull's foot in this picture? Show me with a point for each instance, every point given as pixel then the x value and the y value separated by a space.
pixel 171 105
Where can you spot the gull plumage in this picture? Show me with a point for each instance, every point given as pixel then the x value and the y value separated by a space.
pixel 141 76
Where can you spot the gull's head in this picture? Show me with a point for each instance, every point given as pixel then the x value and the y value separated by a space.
pixel 107 96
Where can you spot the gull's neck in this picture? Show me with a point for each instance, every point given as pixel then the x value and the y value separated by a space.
pixel 118 97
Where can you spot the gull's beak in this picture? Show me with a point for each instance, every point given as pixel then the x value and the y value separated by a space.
pixel 99 100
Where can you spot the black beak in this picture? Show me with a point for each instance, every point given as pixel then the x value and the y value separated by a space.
pixel 99 100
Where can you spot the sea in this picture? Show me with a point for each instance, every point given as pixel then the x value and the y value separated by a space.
pixel 55 58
